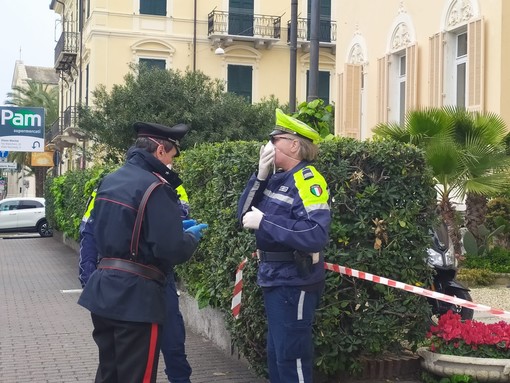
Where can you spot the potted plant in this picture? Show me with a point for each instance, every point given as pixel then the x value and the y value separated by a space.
pixel 468 347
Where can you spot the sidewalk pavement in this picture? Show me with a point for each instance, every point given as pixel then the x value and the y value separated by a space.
pixel 45 336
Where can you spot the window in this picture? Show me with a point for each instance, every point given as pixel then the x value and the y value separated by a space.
pixel 240 17
pixel 324 23
pixel 239 80
pixel 397 85
pixel 153 7
pixel 87 76
pixel 9 205
pixel 402 88
pixel 29 204
pixel 455 68
pixel 323 85
pixel 152 64
pixel 460 72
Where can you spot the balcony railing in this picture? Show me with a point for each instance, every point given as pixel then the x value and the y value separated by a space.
pixel 70 127
pixel 54 132
pixel 327 31
pixel 66 51
pixel 69 117
pixel 243 26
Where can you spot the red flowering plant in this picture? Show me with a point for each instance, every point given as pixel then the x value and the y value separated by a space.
pixel 452 336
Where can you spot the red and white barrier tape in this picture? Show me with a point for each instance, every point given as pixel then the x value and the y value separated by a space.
pixel 415 289
pixel 238 289
pixel 236 300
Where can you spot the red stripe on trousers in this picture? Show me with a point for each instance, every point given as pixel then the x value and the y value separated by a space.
pixel 152 353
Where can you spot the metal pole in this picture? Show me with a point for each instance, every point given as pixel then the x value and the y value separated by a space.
pixel 293 55
pixel 194 35
pixel 313 85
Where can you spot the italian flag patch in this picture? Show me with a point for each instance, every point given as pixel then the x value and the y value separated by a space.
pixel 316 190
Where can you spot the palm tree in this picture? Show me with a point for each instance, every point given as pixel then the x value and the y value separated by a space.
pixel 483 135
pixel 35 94
pixel 466 153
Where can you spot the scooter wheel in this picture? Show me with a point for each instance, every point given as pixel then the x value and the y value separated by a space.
pixel 464 312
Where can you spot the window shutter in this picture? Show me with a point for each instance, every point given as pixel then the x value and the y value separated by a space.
pixel 239 80
pixel 339 118
pixel 323 92
pixel 411 77
pixel 382 87
pixel 352 101
pixel 153 7
pixel 476 59
pixel 436 70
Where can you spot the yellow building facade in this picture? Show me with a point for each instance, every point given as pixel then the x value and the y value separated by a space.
pixel 402 55
pixel 244 43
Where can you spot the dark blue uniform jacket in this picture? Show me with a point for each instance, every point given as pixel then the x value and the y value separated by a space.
pixel 296 217
pixel 116 294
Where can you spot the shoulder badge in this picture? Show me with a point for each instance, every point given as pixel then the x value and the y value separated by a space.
pixel 307 173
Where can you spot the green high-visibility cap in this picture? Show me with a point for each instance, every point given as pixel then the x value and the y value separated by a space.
pixel 288 124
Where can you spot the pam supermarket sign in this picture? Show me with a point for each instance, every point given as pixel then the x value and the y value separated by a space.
pixel 21 129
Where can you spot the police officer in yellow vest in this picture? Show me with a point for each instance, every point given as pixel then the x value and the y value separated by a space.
pixel 289 211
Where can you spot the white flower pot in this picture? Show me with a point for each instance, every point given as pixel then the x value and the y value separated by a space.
pixel 482 369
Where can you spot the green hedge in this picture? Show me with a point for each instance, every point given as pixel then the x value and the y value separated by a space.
pixel 370 182
pixel 67 195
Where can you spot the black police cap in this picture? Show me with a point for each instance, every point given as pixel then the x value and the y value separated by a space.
pixel 150 129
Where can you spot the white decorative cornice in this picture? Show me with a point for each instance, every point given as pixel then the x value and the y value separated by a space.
pixel 401 8
pixel 357 53
pixel 459 13
pixel 356 56
pixel 400 38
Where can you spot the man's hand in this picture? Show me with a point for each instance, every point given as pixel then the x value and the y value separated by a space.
pixel 251 220
pixel 266 159
pixel 187 223
pixel 196 230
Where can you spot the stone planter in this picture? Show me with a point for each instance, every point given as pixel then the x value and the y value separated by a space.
pixel 482 369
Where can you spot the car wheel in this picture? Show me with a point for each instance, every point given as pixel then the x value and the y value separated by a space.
pixel 44 229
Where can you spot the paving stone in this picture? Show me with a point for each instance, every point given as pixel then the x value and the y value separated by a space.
pixel 46 337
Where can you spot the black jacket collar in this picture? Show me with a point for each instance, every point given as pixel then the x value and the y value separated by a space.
pixel 147 161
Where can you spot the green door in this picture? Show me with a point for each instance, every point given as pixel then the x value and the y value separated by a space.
pixel 239 80
pixel 323 85
pixel 240 17
pixel 325 20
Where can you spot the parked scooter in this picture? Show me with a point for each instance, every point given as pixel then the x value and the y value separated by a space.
pixel 442 259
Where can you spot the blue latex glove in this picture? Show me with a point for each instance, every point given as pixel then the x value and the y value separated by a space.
pixel 187 223
pixel 196 230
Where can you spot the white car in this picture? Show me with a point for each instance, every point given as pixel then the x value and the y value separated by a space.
pixel 24 214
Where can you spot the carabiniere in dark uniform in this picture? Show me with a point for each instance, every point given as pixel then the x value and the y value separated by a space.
pixel 136 250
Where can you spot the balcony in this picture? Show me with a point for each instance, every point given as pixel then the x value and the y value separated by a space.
pixel 53 132
pixel 226 27
pixel 70 126
pixel 66 51
pixel 327 33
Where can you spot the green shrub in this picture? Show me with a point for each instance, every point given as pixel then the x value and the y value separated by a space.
pixel 383 186
pixel 67 195
pixel 476 277
pixel 498 214
pixel 496 260
pixel 367 181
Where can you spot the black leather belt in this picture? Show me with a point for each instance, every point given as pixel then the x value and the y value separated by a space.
pixel 275 256
pixel 145 271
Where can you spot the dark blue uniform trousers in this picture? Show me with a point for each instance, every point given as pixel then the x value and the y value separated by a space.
pixel 173 337
pixel 128 351
pixel 290 313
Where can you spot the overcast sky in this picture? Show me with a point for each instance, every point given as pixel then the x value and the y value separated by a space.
pixel 28 25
